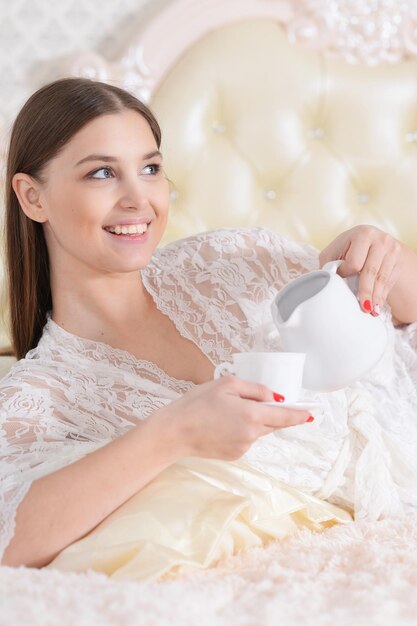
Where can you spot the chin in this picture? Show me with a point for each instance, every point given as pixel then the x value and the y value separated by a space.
pixel 135 267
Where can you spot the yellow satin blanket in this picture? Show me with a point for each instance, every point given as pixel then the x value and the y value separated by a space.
pixel 193 514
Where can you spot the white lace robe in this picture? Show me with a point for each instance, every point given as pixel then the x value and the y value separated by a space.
pixel 70 395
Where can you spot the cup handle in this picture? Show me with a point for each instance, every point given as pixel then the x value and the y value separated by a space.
pixel 332 266
pixel 351 281
pixel 223 367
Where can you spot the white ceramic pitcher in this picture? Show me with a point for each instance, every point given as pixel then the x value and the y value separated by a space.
pixel 318 314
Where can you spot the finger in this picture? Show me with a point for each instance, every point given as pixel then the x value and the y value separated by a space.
pixel 352 250
pixel 336 249
pixel 368 277
pixel 267 430
pixel 385 280
pixel 331 252
pixel 355 256
pixel 280 417
pixel 251 391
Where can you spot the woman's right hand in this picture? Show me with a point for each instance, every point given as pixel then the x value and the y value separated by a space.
pixel 222 418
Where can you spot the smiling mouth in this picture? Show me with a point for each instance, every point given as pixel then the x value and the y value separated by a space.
pixel 127 229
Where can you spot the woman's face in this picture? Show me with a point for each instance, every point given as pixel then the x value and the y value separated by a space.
pixel 105 197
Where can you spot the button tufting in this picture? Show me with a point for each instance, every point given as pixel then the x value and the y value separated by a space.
pixel 411 137
pixel 315 133
pixel 363 198
pixel 270 194
pixel 218 127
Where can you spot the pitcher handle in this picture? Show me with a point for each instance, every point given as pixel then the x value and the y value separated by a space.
pixel 223 367
pixel 332 266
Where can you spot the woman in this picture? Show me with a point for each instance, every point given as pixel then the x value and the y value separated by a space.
pixel 118 451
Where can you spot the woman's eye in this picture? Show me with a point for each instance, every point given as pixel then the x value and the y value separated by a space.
pixel 102 173
pixel 152 169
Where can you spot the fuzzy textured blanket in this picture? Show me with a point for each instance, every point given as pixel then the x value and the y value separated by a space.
pixel 357 574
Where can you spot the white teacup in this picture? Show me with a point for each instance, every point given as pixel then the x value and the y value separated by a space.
pixel 280 371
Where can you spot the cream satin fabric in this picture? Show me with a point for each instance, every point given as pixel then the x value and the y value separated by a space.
pixel 192 515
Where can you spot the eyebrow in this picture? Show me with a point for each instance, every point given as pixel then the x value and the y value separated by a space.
pixel 108 159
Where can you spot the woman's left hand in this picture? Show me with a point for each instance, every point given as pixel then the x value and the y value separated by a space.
pixel 375 255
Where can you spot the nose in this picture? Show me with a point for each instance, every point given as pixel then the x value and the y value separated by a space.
pixel 133 194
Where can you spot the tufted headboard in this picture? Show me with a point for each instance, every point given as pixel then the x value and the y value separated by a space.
pixel 278 113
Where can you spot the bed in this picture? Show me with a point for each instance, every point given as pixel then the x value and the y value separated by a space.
pixel 300 116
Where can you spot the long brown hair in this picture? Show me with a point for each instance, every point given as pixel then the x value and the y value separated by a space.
pixel 47 121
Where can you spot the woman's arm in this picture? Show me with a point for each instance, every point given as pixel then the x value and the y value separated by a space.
pixel 65 505
pixel 218 419
pixel 387 270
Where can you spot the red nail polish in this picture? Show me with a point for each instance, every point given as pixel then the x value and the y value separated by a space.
pixel 310 419
pixel 367 305
pixel 278 397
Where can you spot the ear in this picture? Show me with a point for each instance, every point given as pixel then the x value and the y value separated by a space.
pixel 28 192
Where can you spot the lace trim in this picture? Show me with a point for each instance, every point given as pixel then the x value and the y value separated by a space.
pixel 8 516
pixel 86 349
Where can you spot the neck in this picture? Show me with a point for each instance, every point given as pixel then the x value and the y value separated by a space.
pixel 98 307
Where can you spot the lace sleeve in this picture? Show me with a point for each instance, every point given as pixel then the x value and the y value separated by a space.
pixel 34 441
pixel 217 286
pixel 276 261
pixel 281 258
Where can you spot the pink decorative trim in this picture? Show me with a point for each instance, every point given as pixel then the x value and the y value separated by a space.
pixel 148 58
pixel 359 31
pixel 183 23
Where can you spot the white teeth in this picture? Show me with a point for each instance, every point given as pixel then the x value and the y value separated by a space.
pixel 128 229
